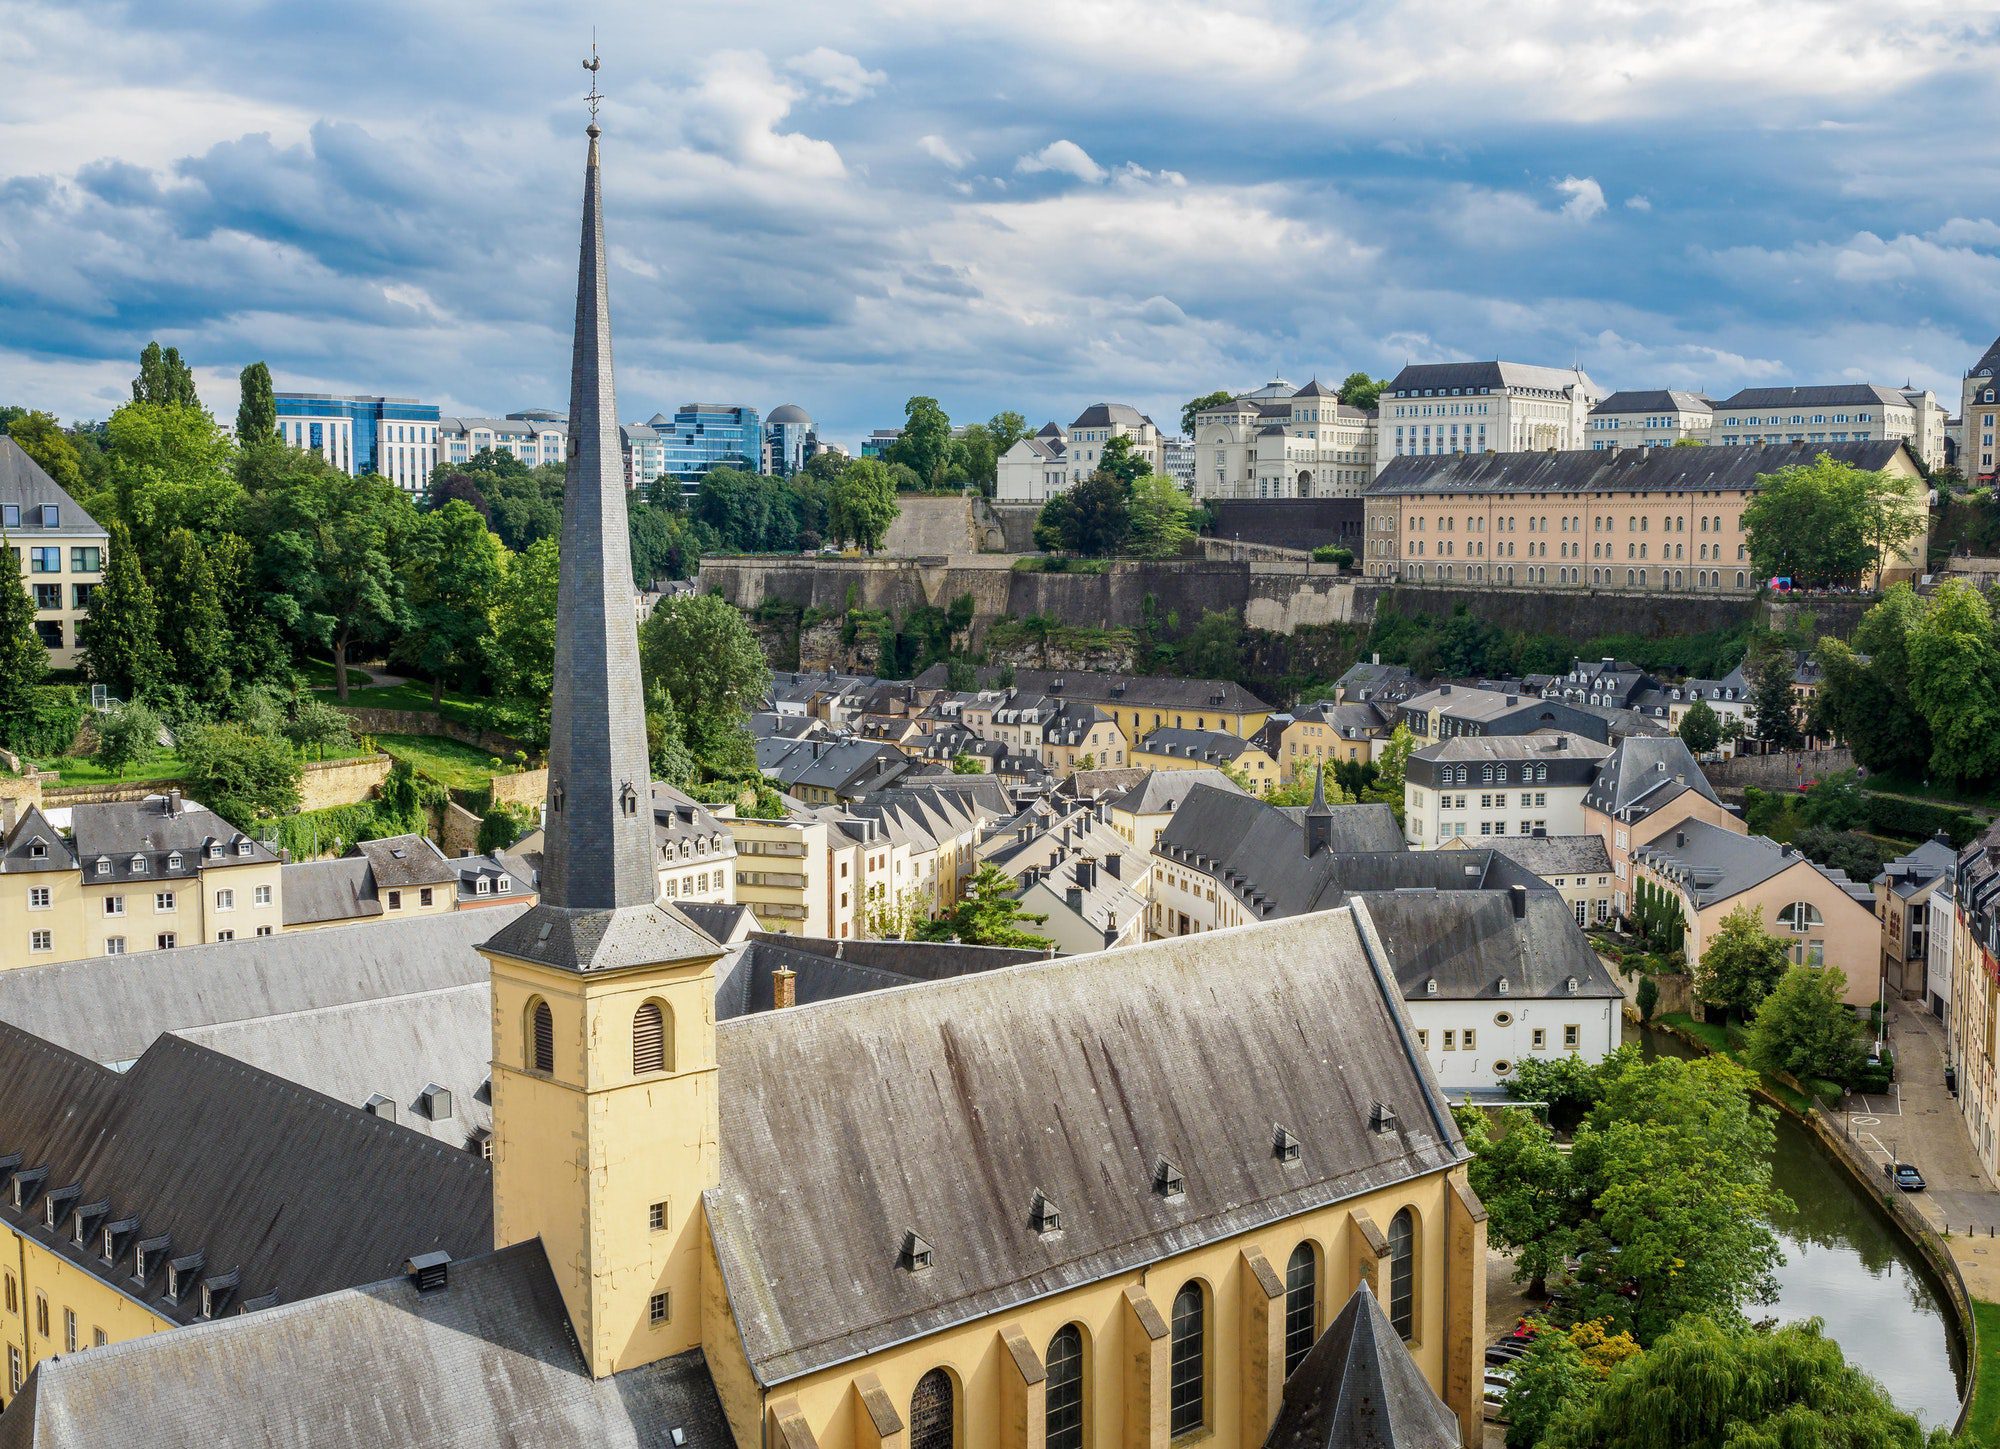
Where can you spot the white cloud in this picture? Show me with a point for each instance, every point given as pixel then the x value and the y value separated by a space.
pixel 939 149
pixel 1639 203
pixel 1064 156
pixel 1965 232
pixel 734 111
pixel 1133 174
pixel 839 76
pixel 1586 197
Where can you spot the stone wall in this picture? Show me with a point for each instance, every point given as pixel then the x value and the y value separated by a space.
pixel 1781 770
pixel 458 830
pixel 931 526
pixel 1289 522
pixel 523 787
pixel 423 722
pixel 341 782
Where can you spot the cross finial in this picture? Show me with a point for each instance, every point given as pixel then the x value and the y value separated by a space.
pixel 595 96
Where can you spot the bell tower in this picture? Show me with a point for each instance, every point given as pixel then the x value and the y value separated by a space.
pixel 604 1079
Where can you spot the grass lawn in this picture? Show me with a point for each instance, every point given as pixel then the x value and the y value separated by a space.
pixel 318 674
pixel 451 764
pixel 1984 1420
pixel 410 695
pixel 76 770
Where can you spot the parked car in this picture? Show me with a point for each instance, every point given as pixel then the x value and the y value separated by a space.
pixel 1906 1178
pixel 1495 1395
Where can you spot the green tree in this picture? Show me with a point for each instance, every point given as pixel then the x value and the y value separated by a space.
pixel 1568 1085
pixel 126 736
pixel 316 727
pixel 666 740
pixel 1955 681
pixel 700 652
pixel 1213 648
pixel 502 825
pixel 987 915
pixel 1359 390
pixel 1122 461
pixel 120 632
pixel 330 555
pixel 167 467
pixel 968 765
pixel 453 568
pixel 24 662
pixel 523 651
pixel 1092 518
pixel 1773 708
pixel 239 774
pixel 1740 964
pixel 1835 802
pixel 1811 522
pixel 41 437
pixel 257 409
pixel 925 444
pixel 863 504
pixel 1550 1377
pixel 1533 1204
pixel 164 378
pixel 1006 428
pixel 1390 770
pixel 1700 728
pixel 194 632
pixel 1893 512
pixel 1160 512
pixel 974 458
pixel 1805 1028
pixel 1194 407
pixel 1676 1160
pixel 1714 1383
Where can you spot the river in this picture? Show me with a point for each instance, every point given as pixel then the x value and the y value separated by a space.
pixel 1846 1266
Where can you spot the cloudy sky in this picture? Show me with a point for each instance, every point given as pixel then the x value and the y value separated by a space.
pixel 1033 204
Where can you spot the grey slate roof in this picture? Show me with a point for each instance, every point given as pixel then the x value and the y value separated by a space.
pixel 110 1008
pixel 1909 874
pixel 1553 855
pixel 1160 792
pixel 1072 1077
pixel 487 1362
pixel 35 845
pixel 1989 364
pixel 168 836
pixel 400 862
pixel 1217 747
pixel 1643 470
pixel 321 891
pixel 1105 415
pixel 296 1193
pixel 23 481
pixel 1468 942
pixel 827 970
pixel 1652 401
pixel 1359 1389
pixel 1712 864
pixel 1645 773
pixel 1449 375
pixel 1844 394
pixel 599 940
pixel 1149 691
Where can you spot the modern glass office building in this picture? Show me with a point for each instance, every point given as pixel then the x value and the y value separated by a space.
pixel 700 435
pixel 396 437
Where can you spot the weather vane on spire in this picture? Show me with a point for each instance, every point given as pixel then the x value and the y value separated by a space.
pixel 591 65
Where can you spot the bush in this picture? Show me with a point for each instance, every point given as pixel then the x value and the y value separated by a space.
pixel 1919 820
pixel 1333 554
pixel 1649 997
pixel 1861 856
pixel 55 714
pixel 502 825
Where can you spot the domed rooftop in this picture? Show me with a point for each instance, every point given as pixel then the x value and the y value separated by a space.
pixel 788 413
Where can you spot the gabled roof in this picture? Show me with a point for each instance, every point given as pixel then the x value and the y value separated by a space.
pixel 1107 415
pixel 1642 470
pixel 1469 942
pixel 1644 773
pixel 296 1193
pixel 1359 1389
pixel 23 481
pixel 1215 746
pixel 1989 364
pixel 166 835
pixel 1845 394
pixel 1553 855
pixel 487 1360
pixel 1656 400
pixel 1448 375
pixel 1049 1076
pixel 35 845
pixel 1258 850
pixel 318 892
pixel 1160 792
pixel 399 862
pixel 1712 864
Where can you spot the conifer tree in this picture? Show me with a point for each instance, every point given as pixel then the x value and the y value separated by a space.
pixel 120 635
pixel 24 662
pixel 257 412
pixel 194 633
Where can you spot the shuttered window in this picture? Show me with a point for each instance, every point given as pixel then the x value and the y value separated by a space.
pixel 649 1039
pixel 542 1037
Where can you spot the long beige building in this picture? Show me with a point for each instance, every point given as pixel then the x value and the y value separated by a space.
pixel 1979 417
pixel 1839 413
pixel 1651 520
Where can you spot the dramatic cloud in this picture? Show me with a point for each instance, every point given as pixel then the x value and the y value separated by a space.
pixel 1004 203
pixel 1064 156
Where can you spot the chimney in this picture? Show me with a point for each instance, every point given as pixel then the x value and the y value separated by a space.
pixel 1518 897
pixel 1680 840
pixel 173 801
pixel 1086 873
pixel 784 988
pixel 1113 865
pixel 1074 896
pixel 1561 743
pixel 1444 689
pixel 1375 659
pixel 1512 700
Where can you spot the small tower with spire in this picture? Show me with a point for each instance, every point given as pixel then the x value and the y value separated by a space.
pixel 1319 817
pixel 605 1121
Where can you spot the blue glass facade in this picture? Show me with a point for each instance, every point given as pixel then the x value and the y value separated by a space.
pixel 701 435
pixel 374 424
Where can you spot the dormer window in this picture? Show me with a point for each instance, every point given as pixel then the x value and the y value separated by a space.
pixel 1167 1180
pixel 1043 1215
pixel 628 799
pixel 916 1254
pixel 215 850
pixel 137 865
pixel 1284 1146
pixel 103 865
pixel 1503 986
pixel 174 861
pixel 481 886
pixel 504 883
pixel 243 847
pixel 1430 986
pixel 38 850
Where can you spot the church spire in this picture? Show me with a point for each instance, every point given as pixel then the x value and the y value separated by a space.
pixel 598 841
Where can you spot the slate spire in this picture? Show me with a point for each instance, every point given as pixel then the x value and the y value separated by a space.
pixel 598 842
pixel 1319 817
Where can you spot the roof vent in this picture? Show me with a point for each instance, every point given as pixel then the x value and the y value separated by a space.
pixel 1382 1118
pixel 916 1254
pixel 1167 1180
pixel 1569 985
pixel 435 1102
pixel 1044 1215
pixel 378 1105
pixel 1503 979
pixel 1430 986
pixel 428 1272
pixel 1284 1146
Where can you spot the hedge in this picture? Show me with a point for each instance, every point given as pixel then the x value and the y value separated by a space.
pixel 1908 819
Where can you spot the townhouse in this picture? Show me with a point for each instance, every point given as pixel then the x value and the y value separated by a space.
pixel 1907 908
pixel 1576 867
pixel 1646 787
pixel 1979 418
pixel 1480 786
pixel 58 550
pixel 1176 749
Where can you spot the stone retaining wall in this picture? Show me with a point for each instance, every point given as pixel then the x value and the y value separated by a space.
pixel 341 782
pixel 1780 770
pixel 424 722
pixel 523 787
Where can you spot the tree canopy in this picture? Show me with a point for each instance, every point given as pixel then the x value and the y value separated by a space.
pixel 698 650
pixel 986 915
pixel 1827 522
pixel 925 444
pixel 1093 518
pixel 257 409
pixel 1359 390
pixel 1740 963
pixel 1804 1028
pixel 1194 407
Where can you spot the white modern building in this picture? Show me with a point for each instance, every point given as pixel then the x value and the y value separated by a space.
pixel 1037 468
pixel 1651 418
pixel 532 437
pixel 394 437
pixel 1483 407
pixel 645 451
pixel 1280 443
pixel 1841 413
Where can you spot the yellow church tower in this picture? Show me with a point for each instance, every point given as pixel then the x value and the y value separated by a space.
pixel 604 1080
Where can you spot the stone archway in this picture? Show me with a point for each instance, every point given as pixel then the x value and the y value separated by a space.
pixel 1305 483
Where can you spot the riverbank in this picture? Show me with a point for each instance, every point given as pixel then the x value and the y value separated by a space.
pixel 1858 1140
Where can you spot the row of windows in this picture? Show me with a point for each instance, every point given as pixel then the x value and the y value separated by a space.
pixel 42 941
pixel 934 1413
pixel 1467 1038
pixel 42 898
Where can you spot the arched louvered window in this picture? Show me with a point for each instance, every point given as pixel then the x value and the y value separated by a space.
pixel 1187 1365
pixel 1301 1305
pixel 933 1412
pixel 1403 1272
pixel 541 1037
pixel 1064 1395
pixel 649 1039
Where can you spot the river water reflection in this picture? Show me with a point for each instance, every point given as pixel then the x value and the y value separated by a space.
pixel 1845 1266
